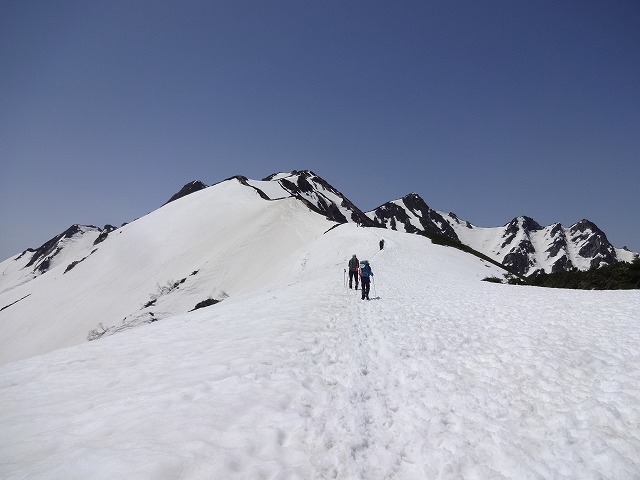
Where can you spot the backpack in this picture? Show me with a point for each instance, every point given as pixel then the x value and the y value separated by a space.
pixel 353 264
pixel 365 269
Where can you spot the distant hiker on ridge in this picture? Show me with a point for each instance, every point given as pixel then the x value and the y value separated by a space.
pixel 365 278
pixel 353 270
pixel 381 244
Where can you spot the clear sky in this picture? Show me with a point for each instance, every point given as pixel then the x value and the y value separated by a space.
pixel 488 109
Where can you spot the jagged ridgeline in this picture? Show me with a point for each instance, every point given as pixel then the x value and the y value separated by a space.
pixel 208 243
pixel 522 246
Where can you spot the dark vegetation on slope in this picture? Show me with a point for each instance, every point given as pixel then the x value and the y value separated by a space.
pixel 619 276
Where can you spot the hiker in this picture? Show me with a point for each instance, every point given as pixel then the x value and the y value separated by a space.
pixel 353 270
pixel 381 244
pixel 365 278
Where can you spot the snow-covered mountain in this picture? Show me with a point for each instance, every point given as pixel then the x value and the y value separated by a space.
pixel 195 253
pixel 203 245
pixel 213 243
pixel 522 245
pixel 291 374
pixel 526 247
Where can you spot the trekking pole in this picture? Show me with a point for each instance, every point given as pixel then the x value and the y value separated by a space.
pixel 344 277
pixel 373 280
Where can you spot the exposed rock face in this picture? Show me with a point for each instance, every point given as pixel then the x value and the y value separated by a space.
pixel 188 189
pixel 105 233
pixel 520 227
pixel 390 214
pixel 526 247
pixel 558 242
pixel 592 243
pixel 412 215
pixel 43 257
pixel 517 241
pixel 48 248
pixel 522 245
pixel 321 197
pixel 431 221
pixel 519 259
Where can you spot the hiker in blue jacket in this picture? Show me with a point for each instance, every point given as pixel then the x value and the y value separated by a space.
pixel 365 278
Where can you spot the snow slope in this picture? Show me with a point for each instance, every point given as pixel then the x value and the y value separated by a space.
pixel 220 241
pixel 441 375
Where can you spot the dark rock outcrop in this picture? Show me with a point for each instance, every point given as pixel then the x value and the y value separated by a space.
pixel 316 193
pixel 104 234
pixel 42 256
pixel 394 213
pixel 188 189
pixel 595 244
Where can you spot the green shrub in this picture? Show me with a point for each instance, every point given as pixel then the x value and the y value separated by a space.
pixel 619 276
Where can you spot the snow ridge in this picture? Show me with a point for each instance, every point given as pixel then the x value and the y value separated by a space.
pixel 291 374
pixel 440 375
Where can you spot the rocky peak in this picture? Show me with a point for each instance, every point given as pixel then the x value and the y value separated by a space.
pixel 43 255
pixel 593 243
pixel 412 215
pixel 584 228
pixel 321 197
pixel 189 188
pixel 558 243
pixel 528 224
pixel 50 246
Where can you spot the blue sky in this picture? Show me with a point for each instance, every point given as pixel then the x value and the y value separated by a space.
pixel 488 109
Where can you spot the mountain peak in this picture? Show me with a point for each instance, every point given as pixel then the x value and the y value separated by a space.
pixel 527 223
pixel 297 173
pixel 189 188
pixel 412 215
pixel 321 197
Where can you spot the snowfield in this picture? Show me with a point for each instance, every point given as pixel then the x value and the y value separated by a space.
pixel 223 241
pixel 439 376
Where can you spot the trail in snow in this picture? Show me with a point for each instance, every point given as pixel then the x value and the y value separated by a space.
pixel 442 376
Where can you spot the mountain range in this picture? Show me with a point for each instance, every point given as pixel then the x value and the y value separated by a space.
pixel 522 245
pixel 197 253
pixel 226 343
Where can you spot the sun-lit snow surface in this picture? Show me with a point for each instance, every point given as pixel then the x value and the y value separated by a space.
pixel 625 255
pixel 218 242
pixel 441 375
pixel 272 189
